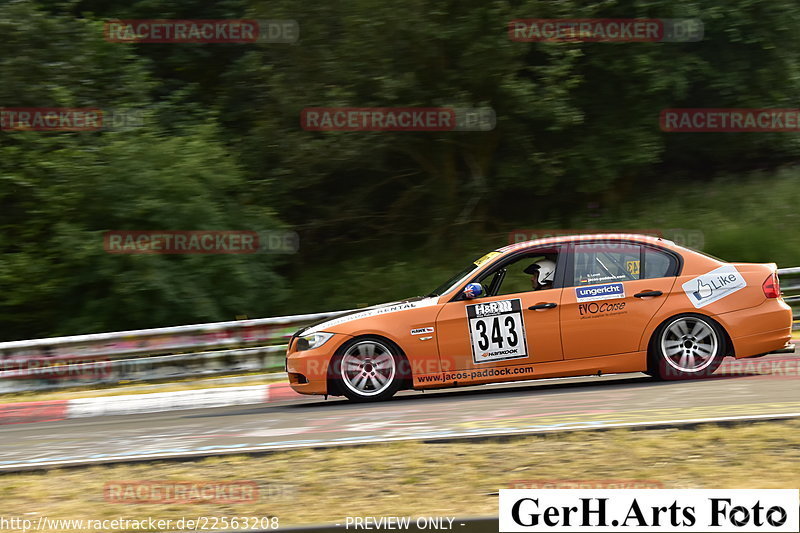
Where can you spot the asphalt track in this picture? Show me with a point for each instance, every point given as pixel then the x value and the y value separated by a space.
pixel 758 389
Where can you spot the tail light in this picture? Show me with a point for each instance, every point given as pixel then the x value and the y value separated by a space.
pixel 771 286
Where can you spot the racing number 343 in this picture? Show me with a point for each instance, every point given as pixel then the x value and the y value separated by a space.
pixel 497 331
pixel 497 334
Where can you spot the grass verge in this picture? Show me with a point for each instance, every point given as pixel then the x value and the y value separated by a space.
pixel 426 479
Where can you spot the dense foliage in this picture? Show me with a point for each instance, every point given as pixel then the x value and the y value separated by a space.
pixel 380 215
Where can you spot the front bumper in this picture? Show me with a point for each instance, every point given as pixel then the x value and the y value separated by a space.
pixel 308 370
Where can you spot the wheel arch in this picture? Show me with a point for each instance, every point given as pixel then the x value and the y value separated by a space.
pixel 333 385
pixel 651 352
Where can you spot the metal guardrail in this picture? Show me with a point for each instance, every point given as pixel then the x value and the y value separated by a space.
pixel 179 352
pixel 199 350
pixel 791 291
pixel 143 369
pixel 162 340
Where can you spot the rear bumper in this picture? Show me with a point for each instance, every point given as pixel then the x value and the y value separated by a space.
pixel 759 330
pixel 761 343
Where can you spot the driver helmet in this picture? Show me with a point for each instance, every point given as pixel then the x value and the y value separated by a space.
pixel 544 268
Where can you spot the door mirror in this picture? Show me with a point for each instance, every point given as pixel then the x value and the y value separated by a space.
pixel 472 291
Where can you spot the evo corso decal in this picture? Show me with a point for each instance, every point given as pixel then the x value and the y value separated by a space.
pixel 604 308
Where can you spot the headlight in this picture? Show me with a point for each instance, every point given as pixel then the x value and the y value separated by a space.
pixel 315 340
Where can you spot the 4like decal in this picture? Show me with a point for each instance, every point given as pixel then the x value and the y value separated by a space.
pixel 715 285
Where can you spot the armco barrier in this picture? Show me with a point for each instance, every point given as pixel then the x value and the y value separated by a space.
pixel 215 335
pixel 219 348
pixel 143 369
pixel 156 354
pixel 790 286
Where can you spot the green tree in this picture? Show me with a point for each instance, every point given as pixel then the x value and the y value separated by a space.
pixel 60 191
pixel 577 122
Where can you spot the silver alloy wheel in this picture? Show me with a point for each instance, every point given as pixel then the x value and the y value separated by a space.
pixel 368 368
pixel 689 344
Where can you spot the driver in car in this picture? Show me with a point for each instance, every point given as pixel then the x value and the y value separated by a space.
pixel 542 274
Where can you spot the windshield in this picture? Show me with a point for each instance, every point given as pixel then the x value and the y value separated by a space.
pixel 448 285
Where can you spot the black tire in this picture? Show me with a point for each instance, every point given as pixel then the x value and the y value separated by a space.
pixel 687 346
pixel 368 369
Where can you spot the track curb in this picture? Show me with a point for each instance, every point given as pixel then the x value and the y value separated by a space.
pixel 131 404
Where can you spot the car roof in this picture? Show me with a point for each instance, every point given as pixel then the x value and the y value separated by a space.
pixel 561 239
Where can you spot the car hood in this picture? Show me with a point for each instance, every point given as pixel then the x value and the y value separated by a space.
pixel 380 309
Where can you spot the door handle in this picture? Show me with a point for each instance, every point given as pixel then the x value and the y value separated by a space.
pixel 542 306
pixel 647 294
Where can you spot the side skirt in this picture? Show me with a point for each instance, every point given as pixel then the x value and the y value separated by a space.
pixel 607 364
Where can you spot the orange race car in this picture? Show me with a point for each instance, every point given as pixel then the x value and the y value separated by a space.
pixel 556 307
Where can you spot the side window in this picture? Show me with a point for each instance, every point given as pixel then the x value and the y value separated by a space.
pixel 658 264
pixel 515 279
pixel 523 274
pixel 606 262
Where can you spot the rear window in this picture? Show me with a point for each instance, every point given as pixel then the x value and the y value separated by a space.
pixel 606 262
pixel 614 262
pixel 658 264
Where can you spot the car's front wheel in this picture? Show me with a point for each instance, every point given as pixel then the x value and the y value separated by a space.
pixel 687 347
pixel 368 369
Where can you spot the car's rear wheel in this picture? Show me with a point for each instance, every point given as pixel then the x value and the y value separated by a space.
pixel 368 369
pixel 688 347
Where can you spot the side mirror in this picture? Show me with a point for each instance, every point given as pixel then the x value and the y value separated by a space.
pixel 473 290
